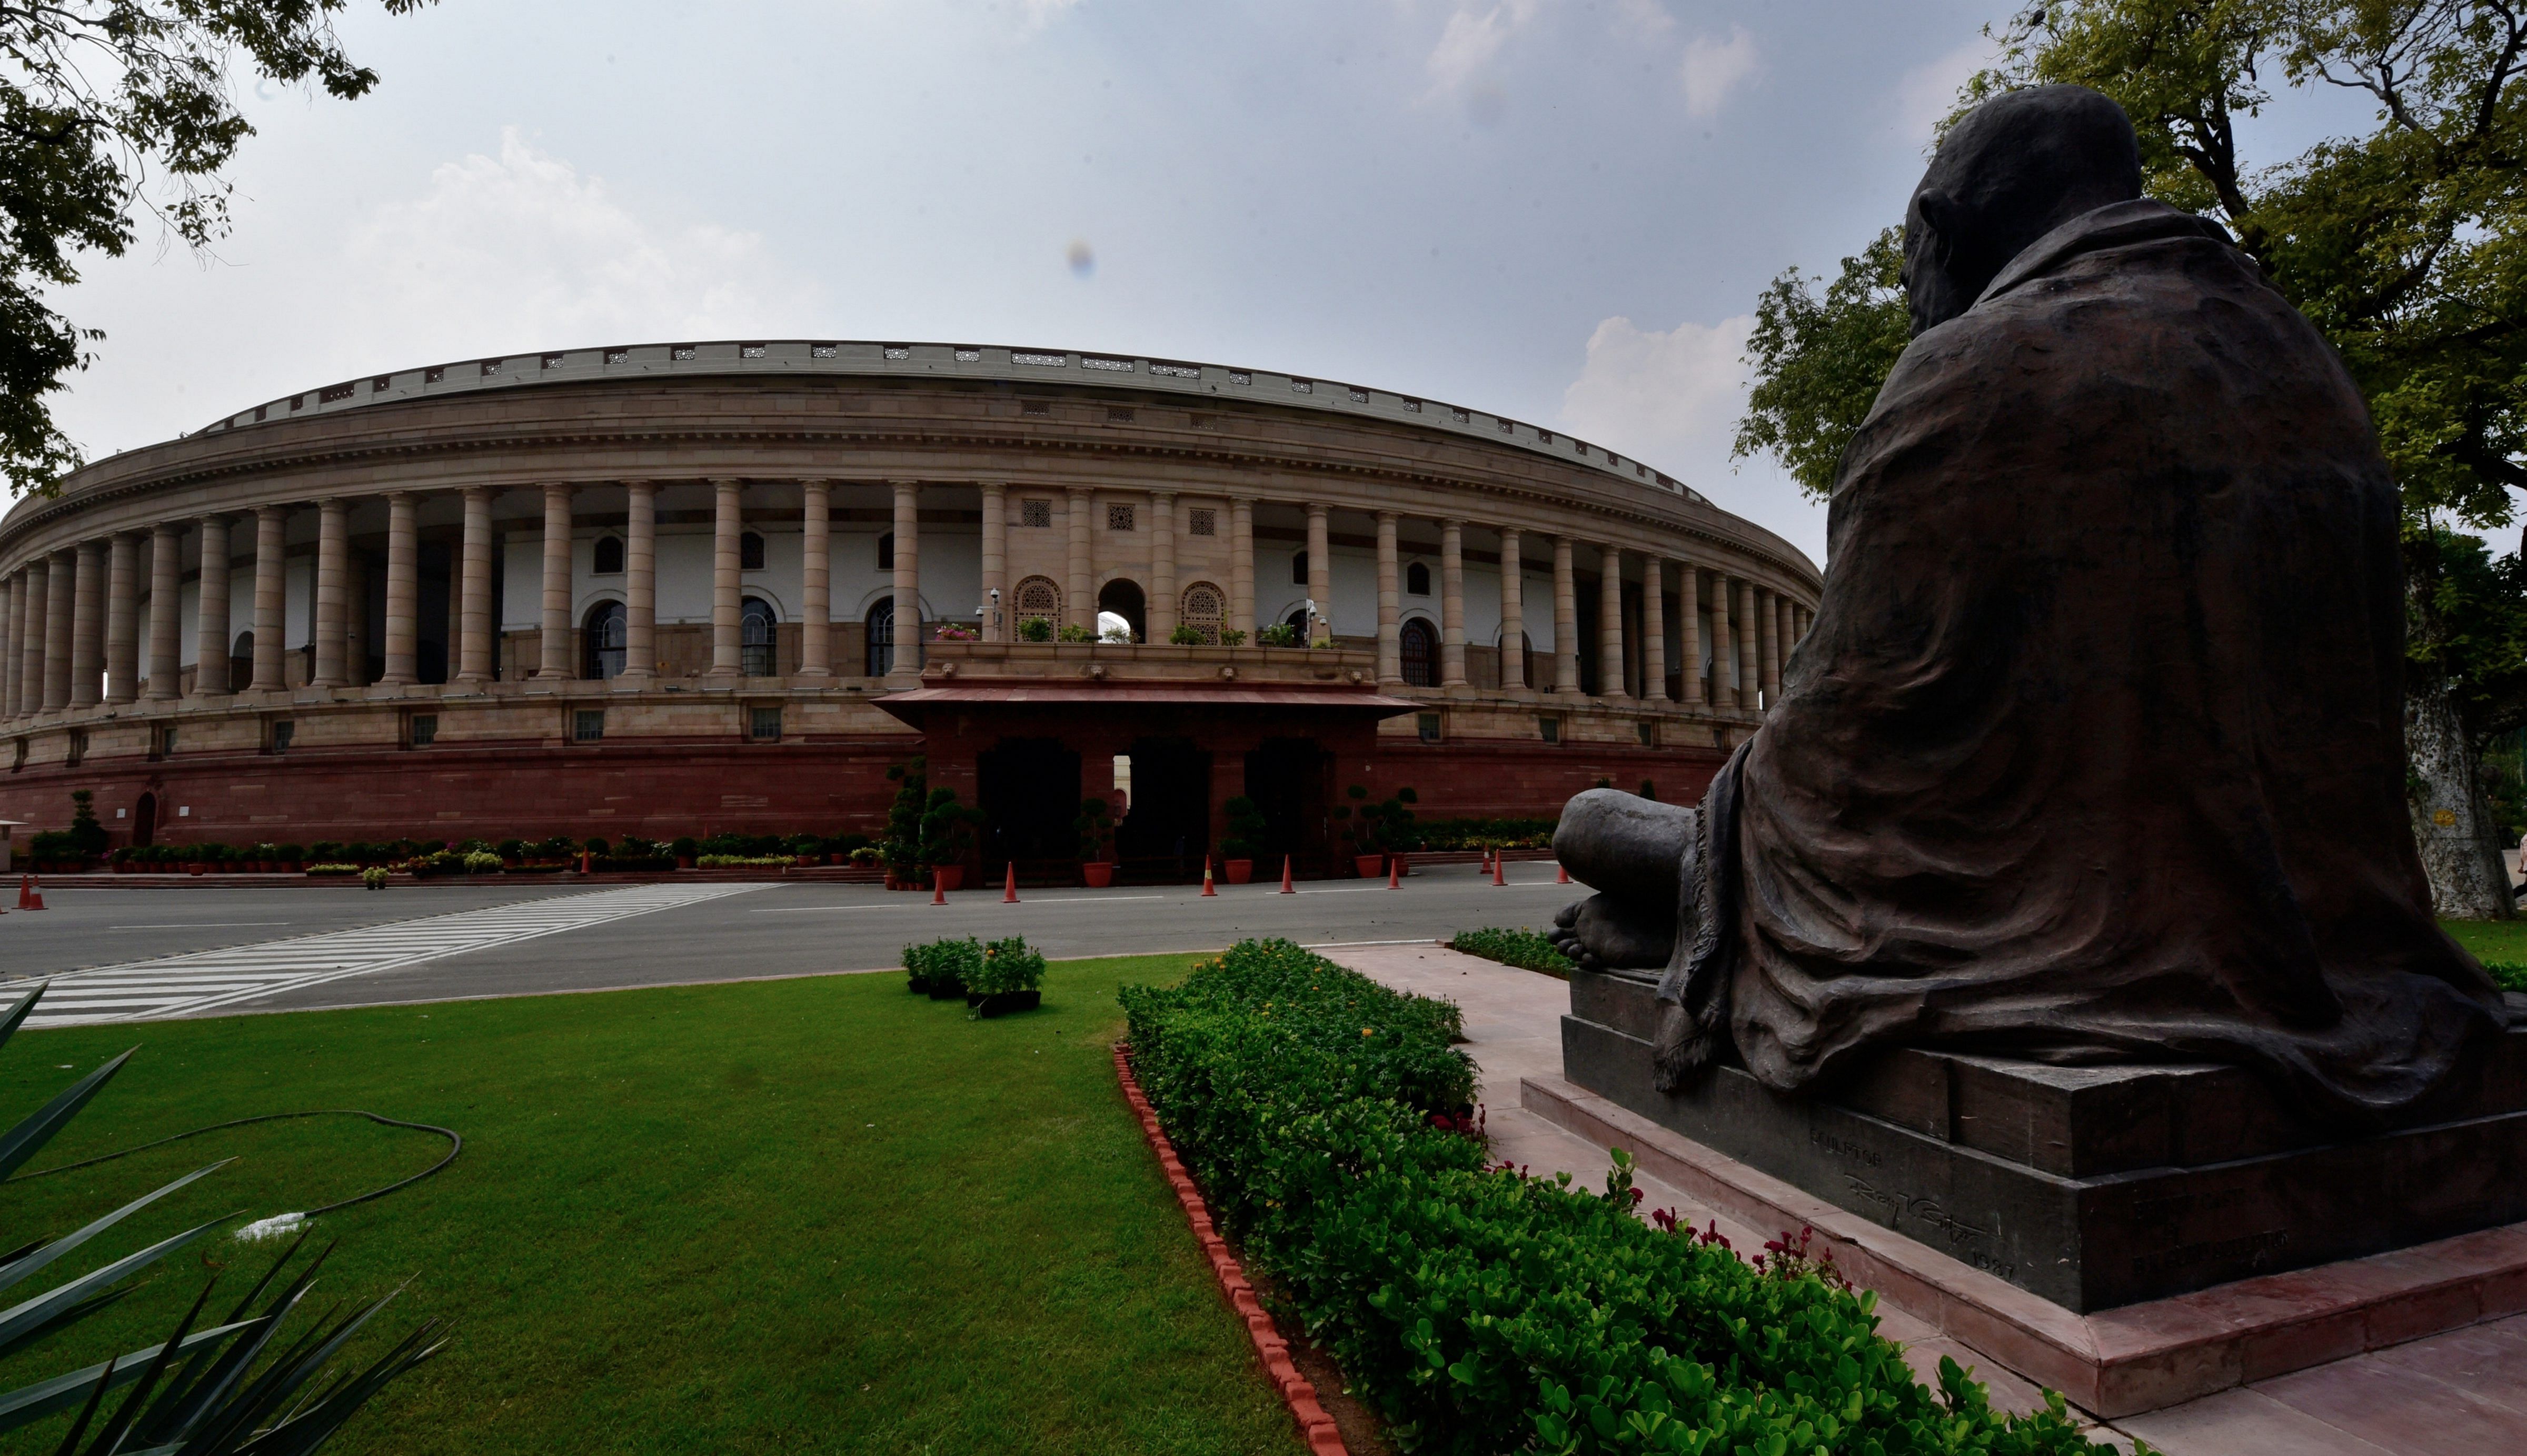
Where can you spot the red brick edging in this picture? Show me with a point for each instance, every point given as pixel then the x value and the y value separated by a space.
pixel 1314 1424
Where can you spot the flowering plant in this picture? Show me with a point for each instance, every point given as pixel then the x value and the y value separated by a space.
pixel 951 632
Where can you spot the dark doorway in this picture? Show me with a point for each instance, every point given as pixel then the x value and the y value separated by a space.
pixel 1170 811
pixel 1029 788
pixel 144 819
pixel 604 631
pixel 1286 779
pixel 1421 648
pixel 1124 599
pixel 880 637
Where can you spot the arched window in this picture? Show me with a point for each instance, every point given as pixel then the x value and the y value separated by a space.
pixel 1038 596
pixel 1122 597
pixel 241 661
pixel 880 630
pixel 609 555
pixel 604 628
pixel 1421 654
pixel 1416 578
pixel 1298 569
pixel 750 552
pixel 754 638
pixel 886 551
pixel 1205 610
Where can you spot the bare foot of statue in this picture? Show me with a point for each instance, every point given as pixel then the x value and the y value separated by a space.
pixel 1632 852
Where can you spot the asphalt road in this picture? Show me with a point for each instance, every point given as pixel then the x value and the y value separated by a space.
pixel 777 930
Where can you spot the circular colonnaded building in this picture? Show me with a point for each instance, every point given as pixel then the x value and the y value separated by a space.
pixel 689 588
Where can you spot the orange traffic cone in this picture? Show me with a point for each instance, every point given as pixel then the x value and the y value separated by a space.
pixel 34 894
pixel 938 888
pixel 1205 878
pixel 1497 877
pixel 1394 871
pixel 1286 887
pixel 1009 887
pixel 1560 876
pixel 26 891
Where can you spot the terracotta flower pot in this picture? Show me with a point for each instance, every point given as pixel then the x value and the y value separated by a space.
pixel 1099 872
pixel 683 862
pixel 1240 871
pixel 1371 866
pixel 950 876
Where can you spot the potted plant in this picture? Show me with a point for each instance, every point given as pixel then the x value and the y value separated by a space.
pixel 1379 830
pixel 941 969
pixel 902 847
pixel 686 849
pixel 947 835
pixel 1246 830
pixel 1009 978
pixel 1035 629
pixel 289 858
pixel 1095 829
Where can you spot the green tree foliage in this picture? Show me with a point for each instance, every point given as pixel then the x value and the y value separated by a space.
pixel 109 109
pixel 1820 358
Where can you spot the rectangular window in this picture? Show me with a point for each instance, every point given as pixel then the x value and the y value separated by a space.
pixel 1429 725
pixel 1649 734
pixel 166 739
pixel 1548 727
pixel 1036 409
pixel 78 745
pixel 425 730
pixel 587 724
pixel 282 731
pixel 1119 518
pixel 1118 414
pixel 763 724
pixel 1203 520
pixel 1035 513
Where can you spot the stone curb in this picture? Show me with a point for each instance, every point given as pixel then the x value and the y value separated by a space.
pixel 1315 1426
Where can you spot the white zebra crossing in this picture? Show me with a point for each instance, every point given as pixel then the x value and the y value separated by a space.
pixel 205 980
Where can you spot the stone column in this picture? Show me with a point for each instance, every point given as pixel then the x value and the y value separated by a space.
pixel 554 639
pixel 122 618
pixel 166 612
pixel 211 621
pixel 1688 609
pixel 999 611
pixel 1451 603
pixel 87 625
pixel 474 660
pixel 728 524
pixel 1767 646
pixel 1513 587
pixel 1750 681
pixel 1390 603
pixel 9 588
pixel 332 589
pixel 1654 628
pixel 816 578
pixel 1320 574
pixel 1566 619
pixel 1240 565
pixel 404 592
pixel 907 622
pixel 61 590
pixel 1162 564
pixel 1724 648
pixel 1079 577
pixel 270 547
pixel 640 580
pixel 1610 623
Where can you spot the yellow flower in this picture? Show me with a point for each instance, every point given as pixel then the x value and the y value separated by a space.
pixel 1367 1031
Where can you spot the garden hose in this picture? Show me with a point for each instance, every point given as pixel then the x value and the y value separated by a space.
pixel 283 1221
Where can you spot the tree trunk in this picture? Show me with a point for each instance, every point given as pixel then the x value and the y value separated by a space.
pixel 2460 848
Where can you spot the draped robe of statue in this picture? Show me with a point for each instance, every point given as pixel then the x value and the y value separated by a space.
pixel 2095 754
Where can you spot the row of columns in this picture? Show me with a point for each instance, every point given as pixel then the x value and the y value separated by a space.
pixel 75 614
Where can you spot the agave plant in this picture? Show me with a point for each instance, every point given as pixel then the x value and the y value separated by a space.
pixel 232 1387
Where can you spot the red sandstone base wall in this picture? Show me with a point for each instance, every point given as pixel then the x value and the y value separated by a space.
pixel 658 793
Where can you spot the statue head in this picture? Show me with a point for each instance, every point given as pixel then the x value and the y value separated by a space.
pixel 2013 169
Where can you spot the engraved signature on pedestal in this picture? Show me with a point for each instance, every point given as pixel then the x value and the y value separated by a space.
pixel 1921 1210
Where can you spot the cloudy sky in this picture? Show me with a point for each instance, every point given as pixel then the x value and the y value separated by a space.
pixel 1555 209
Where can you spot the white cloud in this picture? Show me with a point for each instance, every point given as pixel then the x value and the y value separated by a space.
pixel 1713 69
pixel 1035 15
pixel 1472 40
pixel 1925 94
pixel 1642 18
pixel 1673 398
pixel 522 251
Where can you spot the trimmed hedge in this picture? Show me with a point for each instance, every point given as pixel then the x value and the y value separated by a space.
pixel 1480 1310
pixel 1525 948
pixel 2509 975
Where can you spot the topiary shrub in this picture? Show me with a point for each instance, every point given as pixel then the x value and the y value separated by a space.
pixel 941 969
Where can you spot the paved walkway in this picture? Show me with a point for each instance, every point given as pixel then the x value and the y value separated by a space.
pixel 2462 1393
pixel 209 980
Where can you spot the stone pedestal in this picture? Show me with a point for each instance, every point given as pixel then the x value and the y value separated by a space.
pixel 2091 1187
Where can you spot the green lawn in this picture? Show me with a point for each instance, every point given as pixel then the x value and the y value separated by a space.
pixel 813 1215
